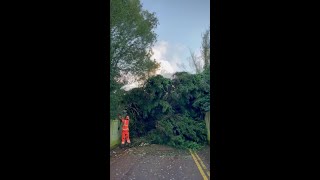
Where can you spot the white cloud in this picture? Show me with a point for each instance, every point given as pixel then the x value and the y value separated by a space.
pixel 160 49
pixel 169 55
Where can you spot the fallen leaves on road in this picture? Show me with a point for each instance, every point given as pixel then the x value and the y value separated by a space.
pixel 144 144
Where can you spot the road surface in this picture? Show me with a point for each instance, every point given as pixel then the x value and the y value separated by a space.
pixel 154 162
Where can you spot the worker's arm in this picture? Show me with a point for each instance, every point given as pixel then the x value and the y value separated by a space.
pixel 119 117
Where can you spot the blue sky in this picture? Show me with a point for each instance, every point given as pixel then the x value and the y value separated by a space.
pixel 181 23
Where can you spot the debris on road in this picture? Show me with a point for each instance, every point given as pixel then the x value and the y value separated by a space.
pixel 144 144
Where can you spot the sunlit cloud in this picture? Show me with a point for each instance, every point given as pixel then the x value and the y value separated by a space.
pixel 171 56
pixel 172 59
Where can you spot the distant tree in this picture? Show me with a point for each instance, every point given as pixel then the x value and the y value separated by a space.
pixel 205 49
pixel 195 62
pixel 202 62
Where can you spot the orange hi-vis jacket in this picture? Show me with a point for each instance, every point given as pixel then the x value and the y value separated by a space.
pixel 125 131
pixel 125 126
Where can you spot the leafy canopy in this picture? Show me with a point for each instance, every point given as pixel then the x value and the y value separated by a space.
pixel 132 36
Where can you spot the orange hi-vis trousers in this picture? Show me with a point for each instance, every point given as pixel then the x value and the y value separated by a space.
pixel 125 131
pixel 125 136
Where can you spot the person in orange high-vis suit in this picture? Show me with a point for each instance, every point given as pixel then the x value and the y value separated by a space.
pixel 125 130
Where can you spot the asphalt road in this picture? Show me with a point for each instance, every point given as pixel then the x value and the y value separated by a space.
pixel 155 162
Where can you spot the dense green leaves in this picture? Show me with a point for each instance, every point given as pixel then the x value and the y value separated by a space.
pixel 171 111
pixel 132 36
pixel 179 131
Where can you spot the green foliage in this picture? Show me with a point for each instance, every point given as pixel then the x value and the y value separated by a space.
pixel 171 111
pixel 179 131
pixel 116 103
pixel 132 36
